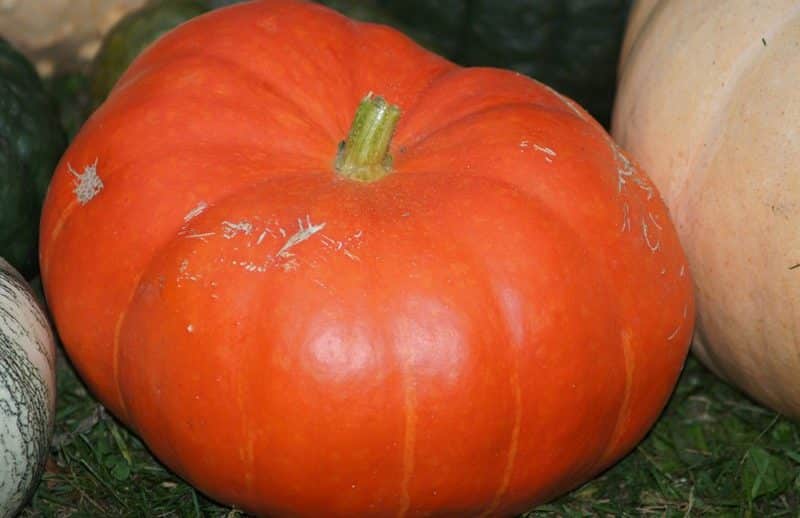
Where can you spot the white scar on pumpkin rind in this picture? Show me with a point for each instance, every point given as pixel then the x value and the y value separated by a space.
pixel 88 183
pixel 302 234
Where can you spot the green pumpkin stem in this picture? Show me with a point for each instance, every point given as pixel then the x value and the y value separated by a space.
pixel 364 156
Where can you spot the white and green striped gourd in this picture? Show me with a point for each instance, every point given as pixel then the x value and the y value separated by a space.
pixel 27 390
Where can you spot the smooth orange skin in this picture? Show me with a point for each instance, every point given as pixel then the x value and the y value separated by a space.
pixel 492 324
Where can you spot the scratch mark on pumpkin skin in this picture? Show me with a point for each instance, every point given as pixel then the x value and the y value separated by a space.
pixel 513 445
pixel 626 339
pixel 680 325
pixel 674 333
pixel 626 217
pixel 233 229
pixel 625 169
pixel 290 265
pixel 546 150
pixel 262 236
pixel 284 258
pixel 341 246
pixel 199 209
pixel 645 186
pixel 303 234
pixel 201 237
pixel 184 274
pixel 351 255
pixel 653 219
pixel 652 246
pixel 88 183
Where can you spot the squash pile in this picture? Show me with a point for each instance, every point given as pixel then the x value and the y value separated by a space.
pixel 322 268
pixel 368 281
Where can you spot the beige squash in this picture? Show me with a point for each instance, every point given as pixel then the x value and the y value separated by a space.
pixel 709 104
pixel 60 33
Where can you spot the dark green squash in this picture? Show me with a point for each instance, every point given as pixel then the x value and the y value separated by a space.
pixel 69 91
pixel 570 45
pixel 31 142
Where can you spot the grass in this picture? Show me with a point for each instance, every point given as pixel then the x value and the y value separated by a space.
pixel 713 453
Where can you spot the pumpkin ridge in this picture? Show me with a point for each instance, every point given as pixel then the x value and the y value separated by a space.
pixel 122 407
pixel 641 199
pixel 625 346
pixel 625 404
pixel 500 106
pixel 410 108
pixel 173 236
pixel 170 236
pixel 425 91
pixel 409 438
pixel 264 24
pixel 374 38
pixel 620 411
pixel 119 396
pixel 458 87
pixel 635 198
pixel 114 168
pixel 513 448
pixel 228 68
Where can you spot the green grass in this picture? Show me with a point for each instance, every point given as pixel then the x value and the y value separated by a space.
pixel 713 453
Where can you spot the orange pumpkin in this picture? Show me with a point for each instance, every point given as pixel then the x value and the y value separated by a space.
pixel 476 322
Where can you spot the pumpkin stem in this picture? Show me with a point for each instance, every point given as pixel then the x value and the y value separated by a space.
pixel 364 156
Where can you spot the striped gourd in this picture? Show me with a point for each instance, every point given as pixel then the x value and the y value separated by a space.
pixel 27 390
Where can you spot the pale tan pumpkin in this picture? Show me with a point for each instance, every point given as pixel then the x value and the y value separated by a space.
pixel 708 104
pixel 60 33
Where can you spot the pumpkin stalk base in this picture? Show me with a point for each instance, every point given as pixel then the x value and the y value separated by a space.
pixel 364 156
